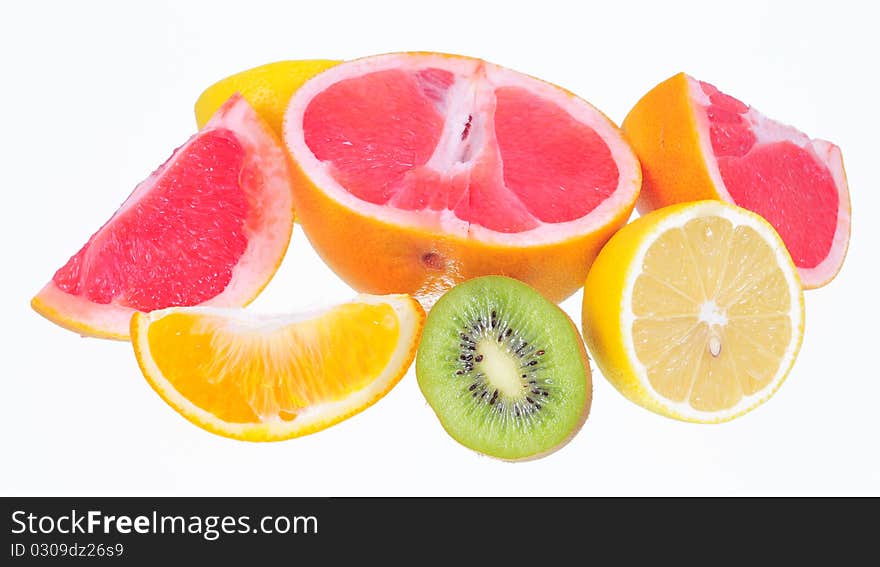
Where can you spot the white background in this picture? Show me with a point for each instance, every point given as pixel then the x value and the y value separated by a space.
pixel 96 95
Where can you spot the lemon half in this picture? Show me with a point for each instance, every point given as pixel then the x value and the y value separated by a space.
pixel 695 311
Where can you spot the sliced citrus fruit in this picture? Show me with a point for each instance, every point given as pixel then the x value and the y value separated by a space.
pixel 210 226
pixel 420 170
pixel 695 142
pixel 266 378
pixel 268 88
pixel 695 311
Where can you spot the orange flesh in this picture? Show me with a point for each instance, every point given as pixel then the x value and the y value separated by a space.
pixel 247 372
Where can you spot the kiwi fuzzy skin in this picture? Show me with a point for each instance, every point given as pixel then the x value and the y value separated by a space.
pixel 424 372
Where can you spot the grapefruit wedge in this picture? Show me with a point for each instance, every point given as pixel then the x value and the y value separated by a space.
pixel 209 227
pixel 695 143
pixel 419 170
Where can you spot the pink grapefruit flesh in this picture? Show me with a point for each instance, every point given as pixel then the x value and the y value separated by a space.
pixel 555 169
pixel 210 226
pixel 796 183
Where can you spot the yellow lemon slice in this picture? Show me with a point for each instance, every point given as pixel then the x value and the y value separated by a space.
pixel 695 311
pixel 266 378
pixel 268 88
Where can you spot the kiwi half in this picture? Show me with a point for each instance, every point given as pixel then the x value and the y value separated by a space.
pixel 504 369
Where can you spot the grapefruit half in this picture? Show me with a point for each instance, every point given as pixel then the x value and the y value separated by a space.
pixel 419 170
pixel 209 227
pixel 695 143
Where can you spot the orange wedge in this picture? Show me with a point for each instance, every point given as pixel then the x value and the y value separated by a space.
pixel 272 377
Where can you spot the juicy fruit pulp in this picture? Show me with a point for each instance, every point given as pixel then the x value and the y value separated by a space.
pixel 199 202
pixel 504 369
pixel 442 168
pixel 721 148
pixel 710 311
pixel 209 226
pixel 273 377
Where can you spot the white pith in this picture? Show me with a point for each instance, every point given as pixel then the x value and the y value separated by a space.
pixel 710 312
pixel 475 79
pixel 465 101
pixel 766 131
pixel 244 322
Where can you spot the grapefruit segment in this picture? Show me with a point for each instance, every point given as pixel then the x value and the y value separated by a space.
pixel 210 226
pixel 412 155
pixel 211 168
pixel 582 171
pixel 696 142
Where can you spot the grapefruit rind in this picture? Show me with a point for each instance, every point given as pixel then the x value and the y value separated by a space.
pixel 615 352
pixel 411 319
pixel 265 249
pixel 87 318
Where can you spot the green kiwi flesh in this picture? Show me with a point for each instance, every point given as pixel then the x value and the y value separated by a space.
pixel 504 369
